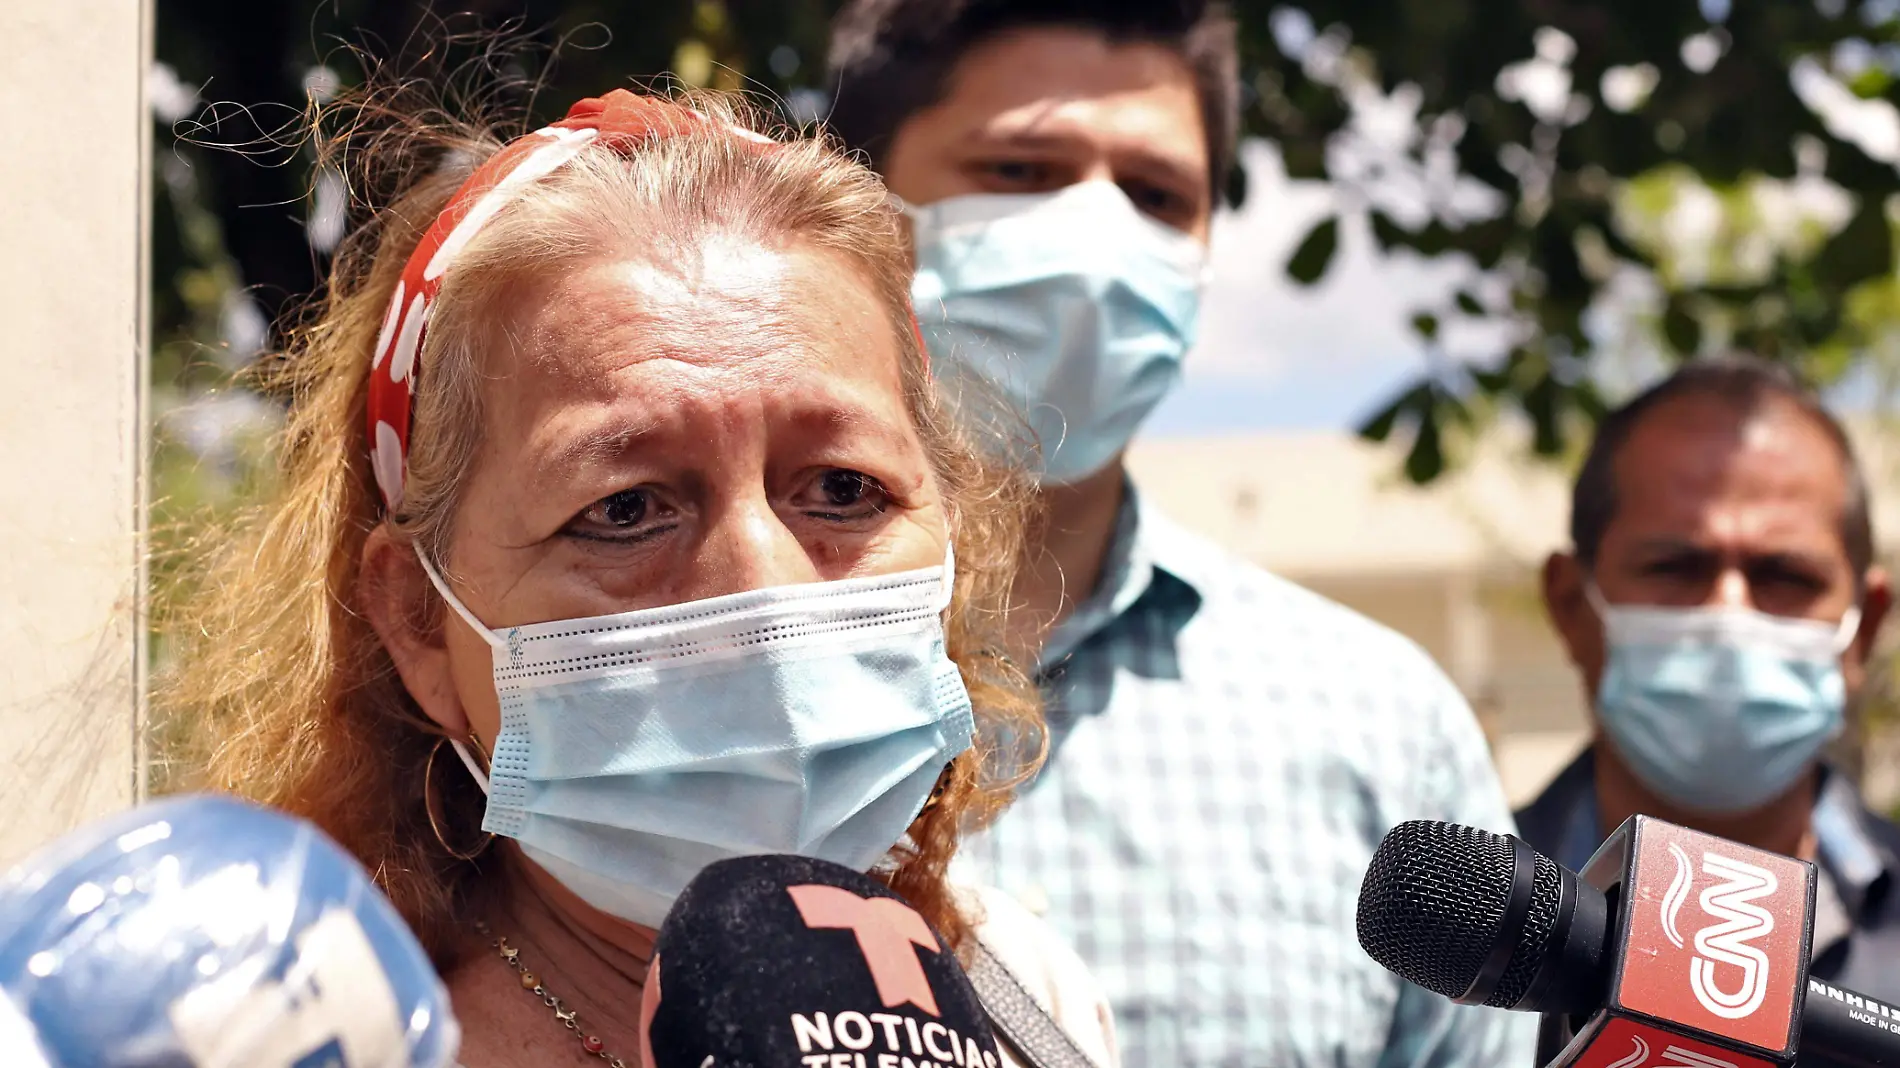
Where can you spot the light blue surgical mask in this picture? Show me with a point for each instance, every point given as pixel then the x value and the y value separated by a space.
pixel 1072 307
pixel 1720 710
pixel 637 749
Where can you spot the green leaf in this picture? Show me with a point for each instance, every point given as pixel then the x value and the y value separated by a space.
pixel 1425 324
pixel 1236 191
pixel 1426 407
pixel 1436 239
pixel 1415 400
pixel 1305 159
pixel 1469 304
pixel 1871 82
pixel 1380 426
pixel 1544 403
pixel 1387 233
pixel 1585 397
pixel 1309 262
pixel 1426 461
pixel 1487 241
pixel 1683 330
pixel 1862 250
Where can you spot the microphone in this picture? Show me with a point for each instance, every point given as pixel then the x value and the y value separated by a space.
pixel 203 932
pixel 775 961
pixel 1672 948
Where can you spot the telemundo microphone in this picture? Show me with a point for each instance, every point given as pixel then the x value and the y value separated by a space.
pixel 784 961
pixel 202 932
pixel 1672 948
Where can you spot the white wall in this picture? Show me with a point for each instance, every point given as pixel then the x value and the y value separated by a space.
pixel 73 200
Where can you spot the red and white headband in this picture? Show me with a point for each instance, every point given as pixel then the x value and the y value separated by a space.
pixel 622 119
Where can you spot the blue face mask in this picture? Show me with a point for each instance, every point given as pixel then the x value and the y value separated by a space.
pixel 1072 308
pixel 1720 710
pixel 637 749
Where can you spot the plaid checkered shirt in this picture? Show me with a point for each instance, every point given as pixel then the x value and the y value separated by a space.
pixel 1227 749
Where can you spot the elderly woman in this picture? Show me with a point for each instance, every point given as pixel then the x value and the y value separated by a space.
pixel 618 531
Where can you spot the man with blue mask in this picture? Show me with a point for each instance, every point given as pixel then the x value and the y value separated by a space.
pixel 1226 748
pixel 1719 603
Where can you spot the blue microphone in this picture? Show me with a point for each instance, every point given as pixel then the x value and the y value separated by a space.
pixel 203 932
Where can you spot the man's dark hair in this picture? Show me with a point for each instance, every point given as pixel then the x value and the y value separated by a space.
pixel 1747 386
pixel 892 58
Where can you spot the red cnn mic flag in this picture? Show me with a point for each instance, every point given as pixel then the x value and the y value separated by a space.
pixel 1711 965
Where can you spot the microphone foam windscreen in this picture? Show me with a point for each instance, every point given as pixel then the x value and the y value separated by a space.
pixel 772 961
pixel 202 932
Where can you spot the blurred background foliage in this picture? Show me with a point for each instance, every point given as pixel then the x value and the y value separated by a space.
pixel 1721 174
pixel 1625 180
pixel 1674 177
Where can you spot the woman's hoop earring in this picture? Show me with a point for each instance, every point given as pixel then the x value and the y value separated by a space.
pixel 429 806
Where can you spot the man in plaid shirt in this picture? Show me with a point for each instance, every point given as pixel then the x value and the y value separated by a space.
pixel 1227 748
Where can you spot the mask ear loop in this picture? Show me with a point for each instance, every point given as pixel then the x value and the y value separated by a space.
pixel 949 587
pixel 1849 630
pixel 468 761
pixel 489 636
pixel 454 602
pixel 1595 597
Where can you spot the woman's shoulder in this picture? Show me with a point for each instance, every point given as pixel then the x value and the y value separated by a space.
pixel 1045 965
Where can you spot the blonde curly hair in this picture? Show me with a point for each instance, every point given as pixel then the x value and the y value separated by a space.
pixel 291 698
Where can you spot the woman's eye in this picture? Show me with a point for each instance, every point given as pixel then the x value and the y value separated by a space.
pixel 839 494
pixel 623 509
pixel 625 516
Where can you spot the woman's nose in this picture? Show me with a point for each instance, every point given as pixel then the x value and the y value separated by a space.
pixel 749 547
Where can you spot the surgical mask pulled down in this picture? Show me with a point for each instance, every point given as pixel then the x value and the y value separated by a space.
pixel 1072 307
pixel 1720 710
pixel 636 749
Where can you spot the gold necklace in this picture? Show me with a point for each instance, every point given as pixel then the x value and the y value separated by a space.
pixel 590 1044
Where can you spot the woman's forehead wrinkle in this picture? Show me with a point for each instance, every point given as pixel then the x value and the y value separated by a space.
pixel 687 350
pixel 628 350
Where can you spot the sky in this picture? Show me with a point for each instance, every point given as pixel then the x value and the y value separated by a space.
pixel 1274 355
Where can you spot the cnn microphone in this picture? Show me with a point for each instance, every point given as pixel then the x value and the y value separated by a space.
pixel 202 932
pixel 1672 948
pixel 778 961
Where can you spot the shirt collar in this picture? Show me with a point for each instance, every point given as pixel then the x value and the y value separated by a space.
pixel 1861 869
pixel 1146 563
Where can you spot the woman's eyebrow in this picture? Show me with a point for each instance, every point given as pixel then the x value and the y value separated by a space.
pixel 828 417
pixel 599 444
pixel 836 413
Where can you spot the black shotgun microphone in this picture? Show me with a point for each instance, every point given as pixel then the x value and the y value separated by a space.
pixel 782 961
pixel 1672 948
